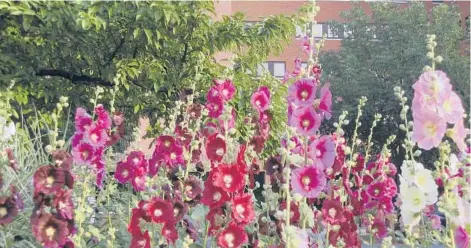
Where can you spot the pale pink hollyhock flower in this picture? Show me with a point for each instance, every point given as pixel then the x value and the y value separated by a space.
pixel 461 237
pixel 436 222
pixel 458 134
pixel 428 130
pixel 95 136
pixel 325 105
pixel 302 92
pixel 308 181
pixel 260 99
pixel 451 108
pixel 306 120
pixel 435 84
pixel 322 151
pixel 83 153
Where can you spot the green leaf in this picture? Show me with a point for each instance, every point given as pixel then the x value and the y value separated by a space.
pixel 149 35
pixel 136 32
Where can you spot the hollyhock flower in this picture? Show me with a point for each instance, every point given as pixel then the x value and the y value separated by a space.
pixel 325 105
pixel 216 218
pixel 174 157
pixel 8 210
pixel 213 94
pixel 272 165
pixel 140 240
pixel 308 181
pixel 138 182
pixel 435 84
pixel 316 70
pixel 160 210
pixel 215 147
pixel 458 134
pixel 230 121
pixel 332 211
pixel 12 163
pixel 233 236
pixel 451 108
pixel 228 178
pixel 379 228
pixel 83 153
pixel 242 209
pixel 436 222
pixel 413 198
pixel 294 144
pixel 179 210
pixel 260 99
pixel 137 159
pixel 194 110
pixel 428 130
pixel 50 231
pixel 409 218
pixel 104 119
pixel 306 121
pixel 192 187
pixel 214 196
pixel 124 172
pixel 227 90
pixel 169 232
pixel 82 120
pixel 136 216
pixel 62 159
pixel 294 211
pixel 376 190
pixel 424 180
pixel 461 237
pixel 390 187
pixel 323 151
pixel 215 107
pixel 16 197
pixel 95 136
pixel 302 92
pixel 48 179
pixel 63 204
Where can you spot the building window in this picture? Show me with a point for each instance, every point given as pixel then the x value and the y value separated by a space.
pixel 300 32
pixel 437 1
pixel 332 33
pixel 276 68
pixel 318 30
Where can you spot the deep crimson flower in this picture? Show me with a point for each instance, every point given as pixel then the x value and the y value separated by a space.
pixel 16 197
pixel 316 70
pixel 294 211
pixel 322 151
pixel 48 179
pixel 138 182
pixel 50 231
pixel 332 211
pixel 209 129
pixel 170 232
pixel 215 147
pixel 124 172
pixel 305 120
pixel 233 236
pixel 140 240
pixel 216 218
pixel 62 159
pixel 179 209
pixel 272 165
pixel 213 196
pixel 215 107
pixel 160 210
pixel 192 187
pixel 12 163
pixel 260 99
pixel 376 189
pixel 257 143
pixel 164 144
pixel 63 204
pixel 308 181
pixel 136 216
pixel 8 210
pixel 242 209
pixel 302 92
pixel 228 178
pixel 194 110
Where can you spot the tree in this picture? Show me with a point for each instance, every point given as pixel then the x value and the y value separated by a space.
pixel 388 49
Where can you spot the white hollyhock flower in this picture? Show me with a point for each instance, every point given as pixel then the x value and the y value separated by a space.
pixel 424 180
pixel 6 130
pixel 410 170
pixel 432 196
pixel 413 199
pixel 409 218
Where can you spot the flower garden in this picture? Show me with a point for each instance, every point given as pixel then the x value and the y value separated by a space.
pixel 206 185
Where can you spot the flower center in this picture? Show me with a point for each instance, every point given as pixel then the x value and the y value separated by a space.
pixel 258 103
pixel 225 92
pixel 125 173
pixel 220 152
pixel 135 161
pixel 229 238
pixel 306 123
pixel 167 143
pixel 216 107
pixel 49 181
pixel 376 191
pixel 318 153
pixel 94 137
pixel 227 180
pixel 173 155
pixel 447 106
pixel 176 211
pixel 61 205
pixel 417 201
pixel 240 209
pixel 85 154
pixel 306 180
pixel 216 196
pixel 142 242
pixel 157 212
pixel 50 232
pixel 3 212
pixel 430 129
pixel 332 212
pixel 304 95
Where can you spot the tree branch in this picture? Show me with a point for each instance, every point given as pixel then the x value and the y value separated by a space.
pixel 74 78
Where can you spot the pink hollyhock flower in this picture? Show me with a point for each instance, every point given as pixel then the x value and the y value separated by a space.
pixel 242 209
pixel 376 190
pixel 48 179
pixel 233 236
pixel 230 122
pixel 308 181
pixel 124 172
pixel 95 136
pixel 50 231
pixel 461 237
pixel 215 107
pixel 8 210
pixel 215 147
pixel 213 196
pixel 379 228
pixel 451 108
pixel 83 153
pixel 435 84
pixel 436 222
pixel 229 178
pixel 302 92
pixel 297 67
pixel 213 94
pixel 227 90
pixel 160 210
pixel 428 130
pixel 325 105
pixel 332 211
pixel 140 240
pixel 458 134
pixel 82 120
pixel 322 151
pixel 297 146
pixel 104 119
pixel 306 121
pixel 260 99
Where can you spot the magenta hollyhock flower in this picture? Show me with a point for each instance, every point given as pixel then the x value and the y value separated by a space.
pixel 297 146
pixel 302 92
pixel 451 108
pixel 169 232
pixel 140 240
pixel 306 120
pixel 95 136
pixel 214 94
pixel 325 105
pixel 164 144
pixel 376 190
pixel 308 181
pixel 461 237
pixel 233 236
pixel 260 99
pixel 379 228
pixel 82 120
pixel 137 159
pixel 332 211
pixel 124 172
pixel 104 119
pixel 76 139
pixel 175 157
pixel 429 130
pixel 242 209
pixel 8 210
pixel 138 182
pixel 83 153
pixel 458 134
pixel 215 147
pixel 48 179
pixel 160 210
pixel 322 151
pixel 50 231
pixel 435 84
pixel 227 90
pixel 63 204
pixel 215 107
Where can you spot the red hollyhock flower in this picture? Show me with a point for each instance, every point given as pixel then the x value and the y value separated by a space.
pixel 48 179
pixel 136 216
pixel 242 209
pixel 50 231
pixel 257 143
pixel 192 187
pixel 217 218
pixel 228 178
pixel 294 212
pixel 215 107
pixel 164 144
pixel 138 182
pixel 359 165
pixel 124 172
pixel 213 196
pixel 140 240
pixel 170 232
pixel 160 210
pixel 8 210
pixel 376 190
pixel 332 211
pixel 306 120
pixel 233 236
pixel 215 147
pixel 137 159
pixel 63 204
